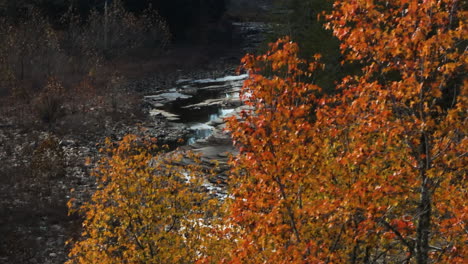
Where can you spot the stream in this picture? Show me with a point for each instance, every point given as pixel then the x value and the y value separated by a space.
pixel 198 105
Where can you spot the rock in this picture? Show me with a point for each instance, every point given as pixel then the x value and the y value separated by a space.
pixel 216 122
pixel 165 114
pixel 166 97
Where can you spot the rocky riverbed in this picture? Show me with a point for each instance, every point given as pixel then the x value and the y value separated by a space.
pixel 40 166
pixel 199 107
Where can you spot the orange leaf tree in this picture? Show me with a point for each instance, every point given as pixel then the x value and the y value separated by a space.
pixel 374 173
pixel 147 209
pixel 269 181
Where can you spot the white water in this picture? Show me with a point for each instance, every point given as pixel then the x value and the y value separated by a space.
pixel 204 130
pixel 233 78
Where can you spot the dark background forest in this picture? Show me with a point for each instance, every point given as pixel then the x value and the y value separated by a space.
pixel 180 14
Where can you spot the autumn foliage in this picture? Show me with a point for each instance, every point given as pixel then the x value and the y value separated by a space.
pixel 147 208
pixel 375 173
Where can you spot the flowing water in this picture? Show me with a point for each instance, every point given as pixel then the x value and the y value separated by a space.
pixel 199 104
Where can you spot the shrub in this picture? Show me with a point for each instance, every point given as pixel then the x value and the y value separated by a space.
pixel 48 161
pixel 48 105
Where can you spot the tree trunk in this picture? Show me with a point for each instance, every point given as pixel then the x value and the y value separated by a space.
pixel 424 218
pixel 105 26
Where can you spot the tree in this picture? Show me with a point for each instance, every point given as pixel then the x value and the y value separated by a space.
pixel 30 48
pixel 376 173
pixel 114 31
pixel 147 209
pixel 419 103
pixel 270 172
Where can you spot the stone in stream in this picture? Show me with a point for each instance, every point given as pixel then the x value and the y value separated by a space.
pixel 159 100
pixel 209 81
pixel 165 114
pixel 215 102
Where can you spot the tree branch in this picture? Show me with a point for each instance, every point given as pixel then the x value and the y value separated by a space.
pixel 400 236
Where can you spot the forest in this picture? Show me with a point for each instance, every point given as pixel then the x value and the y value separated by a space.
pixel 340 134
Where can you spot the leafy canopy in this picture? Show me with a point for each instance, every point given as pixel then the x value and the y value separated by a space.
pixel 374 173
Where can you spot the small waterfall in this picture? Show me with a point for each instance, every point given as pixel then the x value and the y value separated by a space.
pixel 204 130
pixel 224 112
pixel 200 131
pixel 213 117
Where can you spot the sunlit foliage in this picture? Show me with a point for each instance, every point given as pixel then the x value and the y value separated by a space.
pixel 376 173
pixel 147 209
